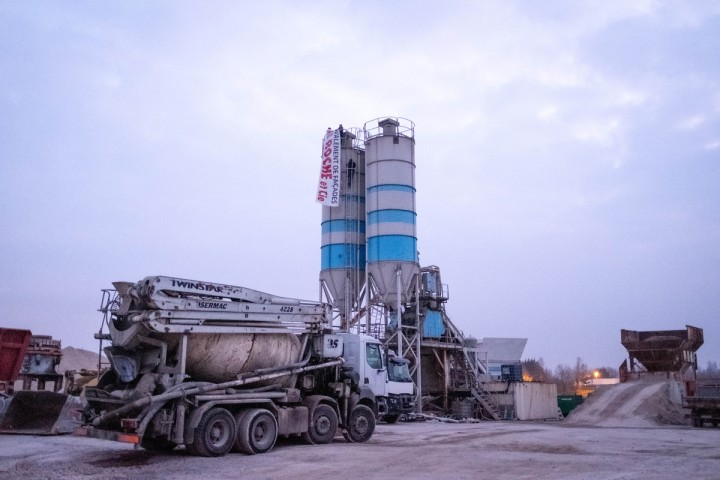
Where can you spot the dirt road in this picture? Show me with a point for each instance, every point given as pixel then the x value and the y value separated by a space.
pixel 404 450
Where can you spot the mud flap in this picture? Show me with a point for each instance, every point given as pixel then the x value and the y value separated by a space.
pixel 40 413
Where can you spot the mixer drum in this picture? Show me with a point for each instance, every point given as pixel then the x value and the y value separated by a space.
pixel 221 357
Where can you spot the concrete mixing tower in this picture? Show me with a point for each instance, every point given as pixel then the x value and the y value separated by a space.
pixel 392 258
pixel 391 217
pixel 369 235
pixel 369 261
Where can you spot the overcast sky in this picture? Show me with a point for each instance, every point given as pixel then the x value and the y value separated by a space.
pixel 568 155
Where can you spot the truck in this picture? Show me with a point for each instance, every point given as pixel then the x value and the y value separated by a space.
pixel 387 375
pixel 400 394
pixel 220 368
pixel 703 400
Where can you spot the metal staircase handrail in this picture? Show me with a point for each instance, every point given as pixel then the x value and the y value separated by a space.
pixel 471 369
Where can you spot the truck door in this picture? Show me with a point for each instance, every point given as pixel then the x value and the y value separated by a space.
pixel 375 374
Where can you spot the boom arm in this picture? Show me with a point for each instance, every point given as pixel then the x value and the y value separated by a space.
pixel 171 304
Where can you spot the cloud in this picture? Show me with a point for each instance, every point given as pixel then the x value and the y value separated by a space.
pixel 713 145
pixel 691 123
pixel 548 113
pixel 602 131
pixel 562 151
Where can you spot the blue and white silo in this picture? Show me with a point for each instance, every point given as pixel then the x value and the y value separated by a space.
pixel 392 259
pixel 343 259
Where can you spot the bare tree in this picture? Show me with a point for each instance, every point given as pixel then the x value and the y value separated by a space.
pixel 710 371
pixel 564 379
pixel 535 371
pixel 580 372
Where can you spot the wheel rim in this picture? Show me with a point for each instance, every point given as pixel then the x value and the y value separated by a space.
pixel 260 432
pixel 263 434
pixel 218 433
pixel 360 424
pixel 322 425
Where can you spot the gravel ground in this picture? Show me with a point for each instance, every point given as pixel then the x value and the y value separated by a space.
pixel 428 450
pixel 624 431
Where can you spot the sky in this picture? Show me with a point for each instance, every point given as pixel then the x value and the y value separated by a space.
pixel 567 155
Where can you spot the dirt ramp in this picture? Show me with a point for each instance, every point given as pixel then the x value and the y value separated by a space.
pixel 642 402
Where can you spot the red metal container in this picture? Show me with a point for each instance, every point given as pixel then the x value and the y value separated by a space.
pixel 13 345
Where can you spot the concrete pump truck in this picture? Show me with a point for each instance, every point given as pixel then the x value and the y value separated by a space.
pixel 220 368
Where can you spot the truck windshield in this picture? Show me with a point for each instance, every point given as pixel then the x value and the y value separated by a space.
pixel 398 371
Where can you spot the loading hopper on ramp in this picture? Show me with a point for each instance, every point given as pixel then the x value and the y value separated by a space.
pixel 663 350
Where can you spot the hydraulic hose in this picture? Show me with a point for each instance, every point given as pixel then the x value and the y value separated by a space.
pixel 259 375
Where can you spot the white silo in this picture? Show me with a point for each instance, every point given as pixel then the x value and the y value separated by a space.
pixel 342 273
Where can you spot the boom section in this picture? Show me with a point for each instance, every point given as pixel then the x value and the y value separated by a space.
pixel 170 304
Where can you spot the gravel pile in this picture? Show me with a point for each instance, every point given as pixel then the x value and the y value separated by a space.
pixel 643 402
pixel 78 359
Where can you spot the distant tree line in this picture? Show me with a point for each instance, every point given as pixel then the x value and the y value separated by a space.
pixel 711 370
pixel 569 379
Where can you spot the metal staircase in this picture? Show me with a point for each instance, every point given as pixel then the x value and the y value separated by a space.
pixel 476 388
pixel 473 368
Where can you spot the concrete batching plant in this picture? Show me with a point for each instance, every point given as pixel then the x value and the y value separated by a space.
pixel 370 271
pixel 369 237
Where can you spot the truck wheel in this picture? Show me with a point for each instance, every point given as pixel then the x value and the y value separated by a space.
pixel 361 424
pixel 256 431
pixel 323 425
pixel 391 418
pixel 215 434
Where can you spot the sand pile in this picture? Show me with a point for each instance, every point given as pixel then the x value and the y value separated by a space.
pixel 78 359
pixel 642 402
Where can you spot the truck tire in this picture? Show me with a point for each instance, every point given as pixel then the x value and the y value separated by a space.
pixel 237 448
pixel 323 425
pixel 361 424
pixel 257 431
pixel 215 434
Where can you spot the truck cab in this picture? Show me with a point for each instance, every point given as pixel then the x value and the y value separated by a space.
pixel 401 390
pixel 387 376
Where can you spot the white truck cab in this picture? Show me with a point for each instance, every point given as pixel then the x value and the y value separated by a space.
pixel 386 375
